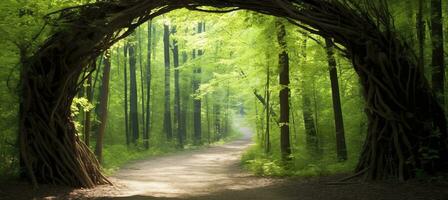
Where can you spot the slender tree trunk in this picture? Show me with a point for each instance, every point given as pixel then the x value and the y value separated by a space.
pixel 197 102
pixel 226 115
pixel 341 148
pixel 126 113
pixel 103 108
pixel 438 59
pixel 148 90
pixel 217 122
pixel 421 35
pixel 268 111
pixel 133 95
pixel 312 142
pixel 142 79
pixel 208 118
pixel 177 112
pixel 87 120
pixel 167 126
pixel 410 12
pixel 285 145
pixel 183 112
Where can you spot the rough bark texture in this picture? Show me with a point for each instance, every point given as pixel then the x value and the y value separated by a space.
pixel 283 59
pixel 406 124
pixel 104 98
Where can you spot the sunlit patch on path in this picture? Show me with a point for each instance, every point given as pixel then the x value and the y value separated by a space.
pixel 191 173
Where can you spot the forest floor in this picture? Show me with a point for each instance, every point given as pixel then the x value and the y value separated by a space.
pixel 216 173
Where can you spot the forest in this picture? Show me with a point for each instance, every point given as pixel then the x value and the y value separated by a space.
pixel 351 91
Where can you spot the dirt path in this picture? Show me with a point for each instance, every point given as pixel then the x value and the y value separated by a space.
pixel 215 173
pixel 191 173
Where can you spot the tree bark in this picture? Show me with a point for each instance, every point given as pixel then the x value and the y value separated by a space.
pixel 312 141
pixel 421 35
pixel 177 112
pixel 341 147
pixel 142 79
pixel 103 107
pixel 197 104
pixel 285 145
pixel 167 125
pixel 133 111
pixel 268 111
pixel 87 119
pixel 125 102
pixel 184 106
pixel 148 90
pixel 438 59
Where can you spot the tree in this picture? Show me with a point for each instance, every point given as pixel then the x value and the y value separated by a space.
pixel 341 148
pixel 197 102
pixel 438 59
pixel 142 79
pixel 133 104
pixel 284 92
pixel 103 107
pixel 420 35
pixel 148 89
pixel 167 126
pixel 177 112
pixel 312 141
pixel 87 120
pixel 125 102
pixel 268 111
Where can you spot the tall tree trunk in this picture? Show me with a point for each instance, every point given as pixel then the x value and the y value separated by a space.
pixel 217 122
pixel 142 79
pixel 312 142
pixel 167 126
pixel 268 111
pixel 126 113
pixel 207 112
pixel 341 148
pixel 183 112
pixel 421 34
pixel 103 108
pixel 133 95
pixel 148 90
pixel 87 120
pixel 197 104
pixel 227 113
pixel 438 59
pixel 285 145
pixel 177 112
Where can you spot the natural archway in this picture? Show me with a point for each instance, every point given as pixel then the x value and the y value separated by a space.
pixel 407 128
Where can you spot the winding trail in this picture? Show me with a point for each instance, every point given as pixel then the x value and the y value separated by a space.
pixel 215 174
pixel 192 173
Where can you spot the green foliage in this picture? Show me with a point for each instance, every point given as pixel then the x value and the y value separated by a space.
pixel 240 48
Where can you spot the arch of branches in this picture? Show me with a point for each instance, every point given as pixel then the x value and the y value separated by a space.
pixel 407 128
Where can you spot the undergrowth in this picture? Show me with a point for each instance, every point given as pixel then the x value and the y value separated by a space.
pixel 262 164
